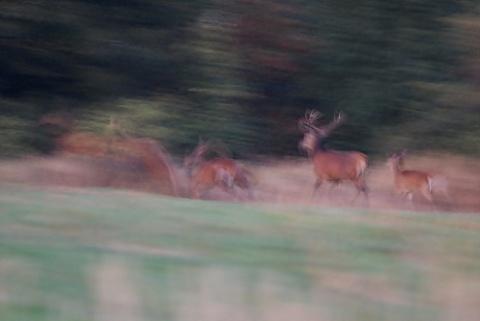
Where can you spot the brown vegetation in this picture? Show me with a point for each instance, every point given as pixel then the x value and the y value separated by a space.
pixel 141 164
pixel 86 160
pixel 279 181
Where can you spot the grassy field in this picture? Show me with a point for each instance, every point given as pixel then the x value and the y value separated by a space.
pixel 99 254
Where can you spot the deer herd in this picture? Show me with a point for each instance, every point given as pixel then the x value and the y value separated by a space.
pixel 333 166
pixel 336 166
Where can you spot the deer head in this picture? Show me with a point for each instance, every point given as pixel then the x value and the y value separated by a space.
pixel 395 160
pixel 314 133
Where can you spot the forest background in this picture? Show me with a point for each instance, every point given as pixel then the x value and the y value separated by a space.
pixel 407 72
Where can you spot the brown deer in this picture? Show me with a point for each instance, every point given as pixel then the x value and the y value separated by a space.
pixel 223 172
pixel 147 151
pixel 332 165
pixel 408 182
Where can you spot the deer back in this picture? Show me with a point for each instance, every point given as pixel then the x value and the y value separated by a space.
pixel 339 165
pixel 219 170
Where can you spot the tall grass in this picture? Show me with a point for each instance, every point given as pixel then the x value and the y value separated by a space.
pixel 103 255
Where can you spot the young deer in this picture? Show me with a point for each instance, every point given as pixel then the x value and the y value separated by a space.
pixel 332 165
pixel 408 182
pixel 220 172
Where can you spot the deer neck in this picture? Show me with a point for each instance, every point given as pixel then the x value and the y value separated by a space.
pixel 396 168
pixel 320 145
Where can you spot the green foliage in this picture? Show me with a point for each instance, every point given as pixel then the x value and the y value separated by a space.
pixel 15 131
pixel 244 72
pixel 20 132
pixel 453 125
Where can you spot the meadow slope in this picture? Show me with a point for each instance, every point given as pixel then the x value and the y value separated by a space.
pixel 102 254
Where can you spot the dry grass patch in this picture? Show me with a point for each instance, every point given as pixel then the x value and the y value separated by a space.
pixel 278 180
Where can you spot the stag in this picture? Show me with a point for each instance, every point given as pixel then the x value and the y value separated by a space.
pixel 407 182
pixel 332 165
pixel 223 172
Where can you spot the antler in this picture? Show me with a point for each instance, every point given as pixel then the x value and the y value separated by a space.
pixel 311 116
pixel 308 122
pixel 338 119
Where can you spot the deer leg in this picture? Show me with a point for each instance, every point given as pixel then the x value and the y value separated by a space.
pixel 409 196
pixel 249 192
pixel 426 192
pixel 427 195
pixel 317 184
pixel 228 189
pixel 333 185
pixel 361 188
pixel 198 190
pixel 227 182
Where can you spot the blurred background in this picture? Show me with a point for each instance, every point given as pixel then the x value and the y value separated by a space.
pixel 406 72
pixel 241 73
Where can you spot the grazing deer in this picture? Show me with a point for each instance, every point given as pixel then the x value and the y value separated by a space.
pixel 220 172
pixel 332 165
pixel 407 182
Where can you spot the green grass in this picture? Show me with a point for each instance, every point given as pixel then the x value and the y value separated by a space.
pixel 112 255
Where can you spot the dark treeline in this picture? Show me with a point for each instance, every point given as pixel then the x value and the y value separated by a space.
pixel 407 72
